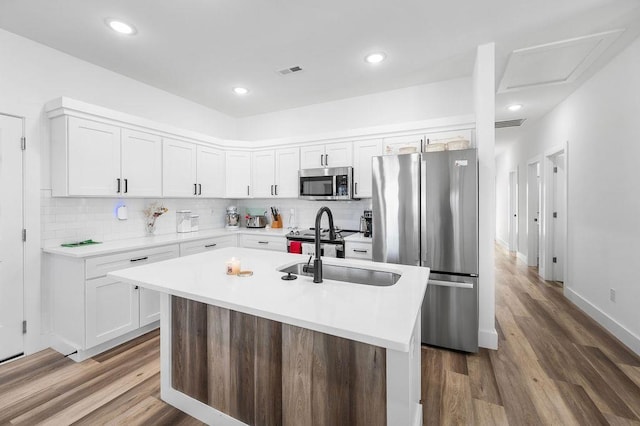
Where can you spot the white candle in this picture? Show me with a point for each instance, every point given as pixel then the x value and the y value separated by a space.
pixel 233 266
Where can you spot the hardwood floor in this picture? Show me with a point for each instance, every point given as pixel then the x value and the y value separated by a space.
pixel 554 366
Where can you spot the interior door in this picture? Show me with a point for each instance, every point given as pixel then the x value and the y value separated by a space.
pixel 559 218
pixel 11 245
pixel 141 164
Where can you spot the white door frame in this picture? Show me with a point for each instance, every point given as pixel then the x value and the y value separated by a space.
pixel 22 207
pixel 546 242
pixel 534 205
pixel 513 210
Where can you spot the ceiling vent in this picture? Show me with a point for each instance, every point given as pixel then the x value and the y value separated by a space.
pixel 560 62
pixel 509 123
pixel 290 70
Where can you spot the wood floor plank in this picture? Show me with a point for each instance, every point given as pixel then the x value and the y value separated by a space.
pixel 625 388
pixel 432 385
pixel 105 394
pixel 582 406
pixel 486 413
pixel 482 378
pixel 614 420
pixel 632 372
pixel 457 406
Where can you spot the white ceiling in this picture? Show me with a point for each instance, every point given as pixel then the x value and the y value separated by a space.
pixel 201 49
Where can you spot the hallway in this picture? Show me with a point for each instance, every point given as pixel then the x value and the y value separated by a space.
pixel 554 365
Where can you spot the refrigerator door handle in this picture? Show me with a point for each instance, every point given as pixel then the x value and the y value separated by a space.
pixel 423 210
pixel 451 284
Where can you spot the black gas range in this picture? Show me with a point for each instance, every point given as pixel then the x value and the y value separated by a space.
pixel 309 236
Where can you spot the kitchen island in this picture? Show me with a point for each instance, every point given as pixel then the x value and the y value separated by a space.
pixel 261 350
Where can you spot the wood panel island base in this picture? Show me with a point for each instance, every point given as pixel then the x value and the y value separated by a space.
pixel 263 372
pixel 263 351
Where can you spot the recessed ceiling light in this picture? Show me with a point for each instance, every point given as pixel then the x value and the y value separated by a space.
pixel 375 58
pixel 240 90
pixel 514 107
pixel 120 27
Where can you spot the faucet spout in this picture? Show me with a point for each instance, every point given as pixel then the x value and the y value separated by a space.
pixel 317 263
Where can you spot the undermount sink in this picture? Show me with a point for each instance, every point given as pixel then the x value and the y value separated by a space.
pixel 347 274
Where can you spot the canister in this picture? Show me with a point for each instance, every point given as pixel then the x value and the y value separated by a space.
pixel 195 222
pixel 183 221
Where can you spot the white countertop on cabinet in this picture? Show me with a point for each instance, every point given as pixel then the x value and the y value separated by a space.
pixel 358 238
pixel 116 246
pixel 381 316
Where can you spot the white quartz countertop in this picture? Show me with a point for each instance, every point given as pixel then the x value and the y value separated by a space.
pixel 381 316
pixel 156 241
pixel 358 238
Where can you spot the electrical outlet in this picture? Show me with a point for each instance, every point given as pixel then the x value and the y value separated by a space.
pixel 612 294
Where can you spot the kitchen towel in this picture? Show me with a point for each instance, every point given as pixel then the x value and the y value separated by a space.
pixel 308 248
pixel 295 247
pixel 329 250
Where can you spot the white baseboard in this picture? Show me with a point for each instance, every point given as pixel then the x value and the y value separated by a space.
pixel 522 257
pixel 502 243
pixel 631 340
pixel 488 339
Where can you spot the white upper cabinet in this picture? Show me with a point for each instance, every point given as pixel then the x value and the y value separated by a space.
pixel 264 164
pixel 141 164
pixel 104 160
pixel 191 170
pixel 329 155
pixel 238 174
pixel 179 168
pixel 402 144
pixel 93 158
pixel 210 172
pixel 287 166
pixel 363 152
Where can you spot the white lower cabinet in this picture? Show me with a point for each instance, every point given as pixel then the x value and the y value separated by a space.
pixel 112 309
pixel 92 312
pixel 263 242
pixel 212 243
pixel 355 250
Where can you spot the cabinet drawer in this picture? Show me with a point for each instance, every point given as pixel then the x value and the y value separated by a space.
pixel 358 250
pixel 264 242
pixel 100 266
pixel 213 243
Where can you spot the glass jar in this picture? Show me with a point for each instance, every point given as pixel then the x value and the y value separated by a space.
pixel 183 221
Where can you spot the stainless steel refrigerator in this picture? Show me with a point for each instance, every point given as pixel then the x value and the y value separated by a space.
pixel 425 212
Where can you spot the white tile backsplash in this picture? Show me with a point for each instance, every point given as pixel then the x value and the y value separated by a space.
pixel 76 219
pixel 346 214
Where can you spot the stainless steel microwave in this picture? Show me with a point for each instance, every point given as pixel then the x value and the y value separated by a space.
pixel 331 183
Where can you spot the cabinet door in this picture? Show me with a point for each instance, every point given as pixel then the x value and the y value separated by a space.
pixel 402 144
pixel 211 175
pixel 111 309
pixel 238 174
pixel 338 154
pixel 141 164
pixel 287 167
pixel 149 306
pixel 263 174
pixel 364 151
pixel 312 157
pixel 94 158
pixel 194 247
pixel 178 168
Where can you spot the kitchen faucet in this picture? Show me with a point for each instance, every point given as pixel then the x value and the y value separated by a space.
pixel 317 263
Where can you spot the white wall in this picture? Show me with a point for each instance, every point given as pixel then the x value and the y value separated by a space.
pixel 32 74
pixel 484 107
pixel 416 103
pixel 600 124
